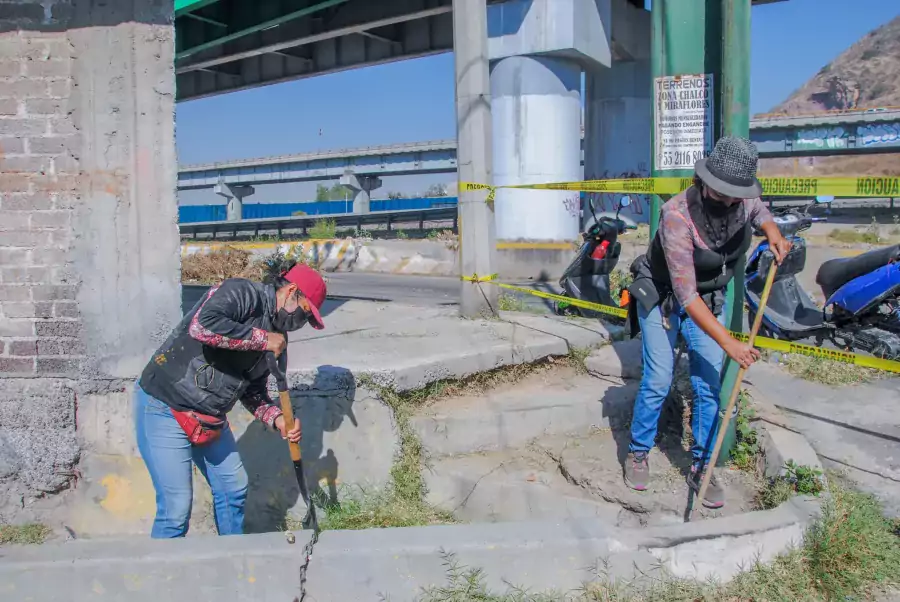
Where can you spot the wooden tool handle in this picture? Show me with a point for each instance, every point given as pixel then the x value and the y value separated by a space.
pixel 732 400
pixel 288 411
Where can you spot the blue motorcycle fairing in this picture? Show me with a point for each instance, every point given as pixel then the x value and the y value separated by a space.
pixel 861 294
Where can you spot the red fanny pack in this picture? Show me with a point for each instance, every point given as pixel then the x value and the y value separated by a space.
pixel 200 428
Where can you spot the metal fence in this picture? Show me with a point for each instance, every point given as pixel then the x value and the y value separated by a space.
pixel 211 213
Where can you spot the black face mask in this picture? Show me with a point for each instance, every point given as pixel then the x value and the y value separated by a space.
pixel 289 322
pixel 718 209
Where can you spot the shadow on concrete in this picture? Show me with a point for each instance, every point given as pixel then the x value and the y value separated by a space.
pixel 673 427
pixel 322 407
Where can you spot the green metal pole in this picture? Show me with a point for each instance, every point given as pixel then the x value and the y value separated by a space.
pixel 679 46
pixel 735 122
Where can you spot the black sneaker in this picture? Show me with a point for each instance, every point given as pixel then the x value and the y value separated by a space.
pixel 637 471
pixel 715 492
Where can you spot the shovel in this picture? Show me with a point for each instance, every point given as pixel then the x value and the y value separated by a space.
pixel 309 521
pixel 704 484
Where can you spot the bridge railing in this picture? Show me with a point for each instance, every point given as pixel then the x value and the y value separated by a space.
pixel 300 224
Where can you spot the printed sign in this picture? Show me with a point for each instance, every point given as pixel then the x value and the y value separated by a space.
pixel 683 118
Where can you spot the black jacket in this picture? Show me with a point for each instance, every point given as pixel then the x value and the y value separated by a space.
pixel 215 356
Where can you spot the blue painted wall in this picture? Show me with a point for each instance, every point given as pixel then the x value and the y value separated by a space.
pixel 215 213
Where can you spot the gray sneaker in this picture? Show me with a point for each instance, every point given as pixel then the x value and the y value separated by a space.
pixel 715 491
pixel 637 471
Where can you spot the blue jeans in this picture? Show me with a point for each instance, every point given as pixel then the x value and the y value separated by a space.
pixel 168 455
pixel 706 359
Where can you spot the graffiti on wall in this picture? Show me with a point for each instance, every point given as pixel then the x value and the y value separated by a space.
pixel 604 201
pixel 878 134
pixel 572 203
pixel 821 138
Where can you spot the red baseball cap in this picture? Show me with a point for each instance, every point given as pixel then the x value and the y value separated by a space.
pixel 310 283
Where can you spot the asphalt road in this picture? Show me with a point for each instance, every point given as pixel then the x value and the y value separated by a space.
pixel 411 290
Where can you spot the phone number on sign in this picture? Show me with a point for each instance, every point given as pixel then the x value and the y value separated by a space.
pixel 681 158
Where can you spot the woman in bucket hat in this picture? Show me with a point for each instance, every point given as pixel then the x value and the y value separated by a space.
pixel 211 360
pixel 679 289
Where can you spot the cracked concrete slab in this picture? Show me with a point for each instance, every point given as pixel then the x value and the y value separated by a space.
pixel 854 430
pixel 407 347
pixel 549 403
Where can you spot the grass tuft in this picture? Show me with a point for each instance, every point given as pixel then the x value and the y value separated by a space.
pixel 850 553
pixel 402 503
pixel 30 533
pixel 828 372
pixel 745 453
pixel 323 229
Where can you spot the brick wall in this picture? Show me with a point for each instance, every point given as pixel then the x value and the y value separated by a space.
pixel 39 318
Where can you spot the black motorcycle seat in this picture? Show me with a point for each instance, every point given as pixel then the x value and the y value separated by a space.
pixel 835 273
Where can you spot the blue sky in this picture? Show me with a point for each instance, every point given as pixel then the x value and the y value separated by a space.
pixel 412 101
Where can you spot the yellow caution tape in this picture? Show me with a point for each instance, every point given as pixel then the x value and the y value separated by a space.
pixel 864 361
pixel 846 357
pixel 605 309
pixel 867 186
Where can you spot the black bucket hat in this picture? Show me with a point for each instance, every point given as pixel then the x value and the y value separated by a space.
pixel 731 168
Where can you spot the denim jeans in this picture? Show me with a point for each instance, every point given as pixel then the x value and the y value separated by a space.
pixel 706 359
pixel 168 455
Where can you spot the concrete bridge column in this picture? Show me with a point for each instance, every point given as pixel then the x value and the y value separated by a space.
pixel 618 111
pixel 536 106
pixel 234 207
pixel 538 49
pixel 362 187
pixel 89 244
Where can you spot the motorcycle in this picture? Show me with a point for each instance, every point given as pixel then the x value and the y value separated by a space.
pixel 862 293
pixel 587 276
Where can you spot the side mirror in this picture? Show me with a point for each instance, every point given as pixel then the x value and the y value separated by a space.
pixel 824 199
pixel 624 201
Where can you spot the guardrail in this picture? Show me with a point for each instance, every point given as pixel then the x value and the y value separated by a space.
pixel 253 227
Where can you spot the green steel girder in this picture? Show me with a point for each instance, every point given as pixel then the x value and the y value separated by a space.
pixel 187 6
pixel 303 12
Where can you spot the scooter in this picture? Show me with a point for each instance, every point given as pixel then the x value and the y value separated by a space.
pixel 862 307
pixel 587 276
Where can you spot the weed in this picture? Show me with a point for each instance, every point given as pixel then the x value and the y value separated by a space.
pixel 868 236
pixel 450 240
pixel 216 265
pixel 576 358
pixel 619 280
pixel 745 452
pixel 798 480
pixel 30 533
pixel 323 229
pixel 401 235
pixel 774 493
pixel 507 302
pixel 828 372
pixel 465 584
pixel 363 235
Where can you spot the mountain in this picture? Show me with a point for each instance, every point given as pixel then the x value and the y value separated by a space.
pixel 865 76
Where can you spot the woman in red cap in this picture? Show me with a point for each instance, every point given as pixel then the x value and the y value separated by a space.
pixel 212 359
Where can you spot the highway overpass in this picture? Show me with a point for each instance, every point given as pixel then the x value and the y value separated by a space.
pixel 844 133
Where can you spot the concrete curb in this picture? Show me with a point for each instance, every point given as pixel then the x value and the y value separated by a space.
pixel 361 565
pixel 780 444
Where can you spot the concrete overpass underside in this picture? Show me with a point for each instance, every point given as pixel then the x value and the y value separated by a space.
pixel 228 45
